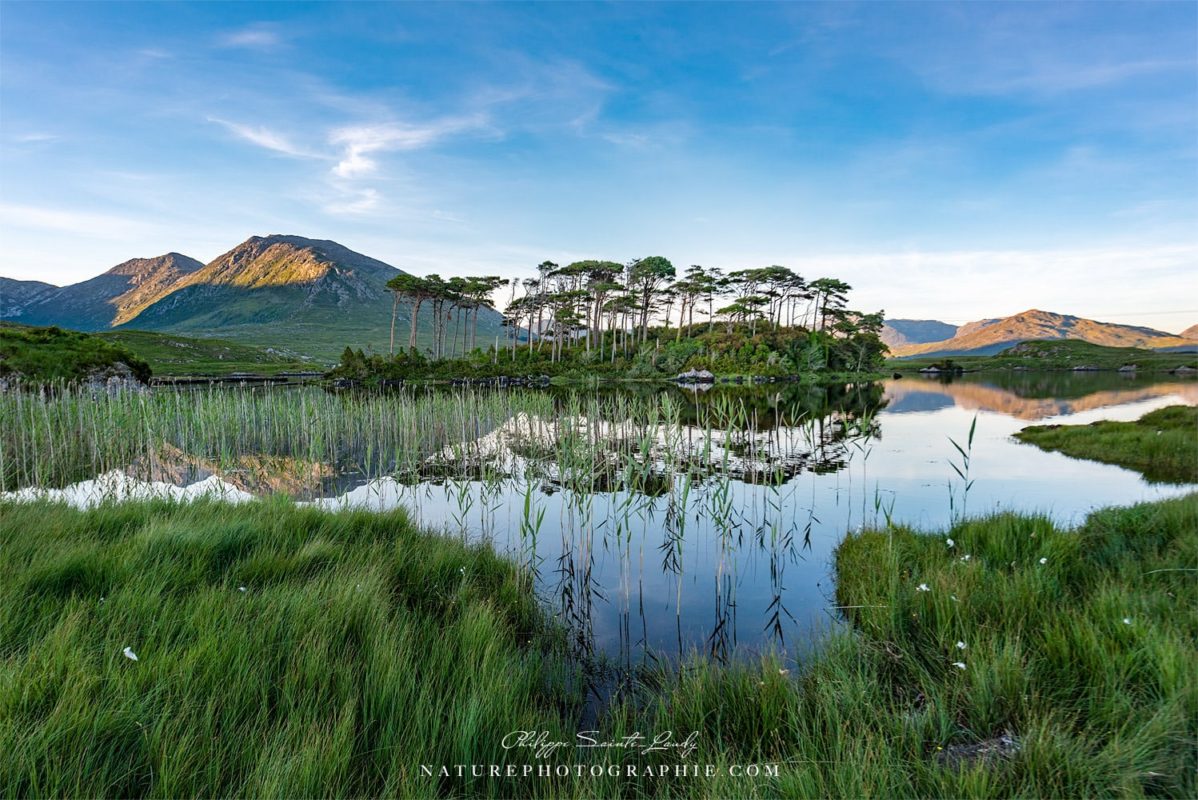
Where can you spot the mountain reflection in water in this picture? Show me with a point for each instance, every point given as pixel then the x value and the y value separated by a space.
pixel 703 521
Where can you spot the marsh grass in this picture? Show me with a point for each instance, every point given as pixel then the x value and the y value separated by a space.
pixel 362 648
pixel 1097 706
pixel 1162 445
pixel 358 649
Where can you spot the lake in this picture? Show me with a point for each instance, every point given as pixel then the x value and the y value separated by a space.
pixel 656 522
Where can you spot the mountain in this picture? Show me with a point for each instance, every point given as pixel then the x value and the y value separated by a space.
pixel 15 295
pixel 986 337
pixel 310 296
pixel 112 298
pixel 1190 333
pixel 900 332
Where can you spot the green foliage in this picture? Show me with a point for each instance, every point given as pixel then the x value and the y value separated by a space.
pixel 181 355
pixel 1162 445
pixel 361 648
pixel 727 350
pixel 358 366
pixel 49 355
pixel 281 652
pixel 1084 661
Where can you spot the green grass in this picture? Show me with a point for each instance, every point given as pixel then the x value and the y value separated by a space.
pixel 1098 707
pixel 180 355
pixel 47 355
pixel 362 648
pixel 1058 354
pixel 1162 445
pixel 359 649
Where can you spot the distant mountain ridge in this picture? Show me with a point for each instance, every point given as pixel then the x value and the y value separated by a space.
pixel 989 336
pixel 902 332
pixel 110 299
pixel 310 296
pixel 15 295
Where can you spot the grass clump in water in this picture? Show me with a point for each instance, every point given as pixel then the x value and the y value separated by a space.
pixel 1162 445
pixel 1023 659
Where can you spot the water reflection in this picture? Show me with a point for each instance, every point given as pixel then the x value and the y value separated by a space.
pixel 1032 395
pixel 674 521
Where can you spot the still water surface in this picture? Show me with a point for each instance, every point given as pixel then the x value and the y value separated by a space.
pixel 731 567
pixel 719 540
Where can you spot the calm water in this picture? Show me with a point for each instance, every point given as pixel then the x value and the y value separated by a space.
pixel 725 547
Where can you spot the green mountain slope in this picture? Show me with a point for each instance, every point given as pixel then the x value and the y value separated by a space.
pixel 309 297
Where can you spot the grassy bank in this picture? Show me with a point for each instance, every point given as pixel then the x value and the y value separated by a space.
pixel 1162 445
pixel 183 355
pixel 357 649
pixel 1084 661
pixel 362 648
pixel 1058 355
pixel 46 355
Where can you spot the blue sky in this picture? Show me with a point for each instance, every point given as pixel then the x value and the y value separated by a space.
pixel 951 161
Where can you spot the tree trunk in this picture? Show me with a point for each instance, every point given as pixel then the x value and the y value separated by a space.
pixel 416 303
pixel 394 311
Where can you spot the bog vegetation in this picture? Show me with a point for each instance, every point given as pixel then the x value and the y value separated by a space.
pixel 52 354
pixel 205 650
pixel 1162 445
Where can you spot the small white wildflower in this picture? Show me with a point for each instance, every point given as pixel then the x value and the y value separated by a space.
pixel 959 664
pixel 960 645
pixel 241 588
pixel 1044 561
pixel 462 570
pixel 953 597
pixel 1127 620
pixel 923 587
pixel 950 543
pixel 783 672
pixel 966 557
pixel 129 654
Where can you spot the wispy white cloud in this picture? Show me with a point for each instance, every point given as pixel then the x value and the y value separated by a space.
pixel 359 143
pixel 258 36
pixel 1118 282
pixel 1051 76
pixel 265 137
pixel 35 137
pixel 76 223
pixel 353 202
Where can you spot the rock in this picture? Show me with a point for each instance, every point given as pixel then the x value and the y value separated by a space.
pixel 1128 368
pixel 898 375
pixel 114 380
pixel 986 752
pixel 1184 370
pixel 1085 368
pixel 695 376
pixel 930 370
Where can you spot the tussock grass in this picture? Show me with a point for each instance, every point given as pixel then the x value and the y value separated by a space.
pixel 359 649
pixel 362 648
pixel 1162 445
pixel 36 356
pixel 1097 706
